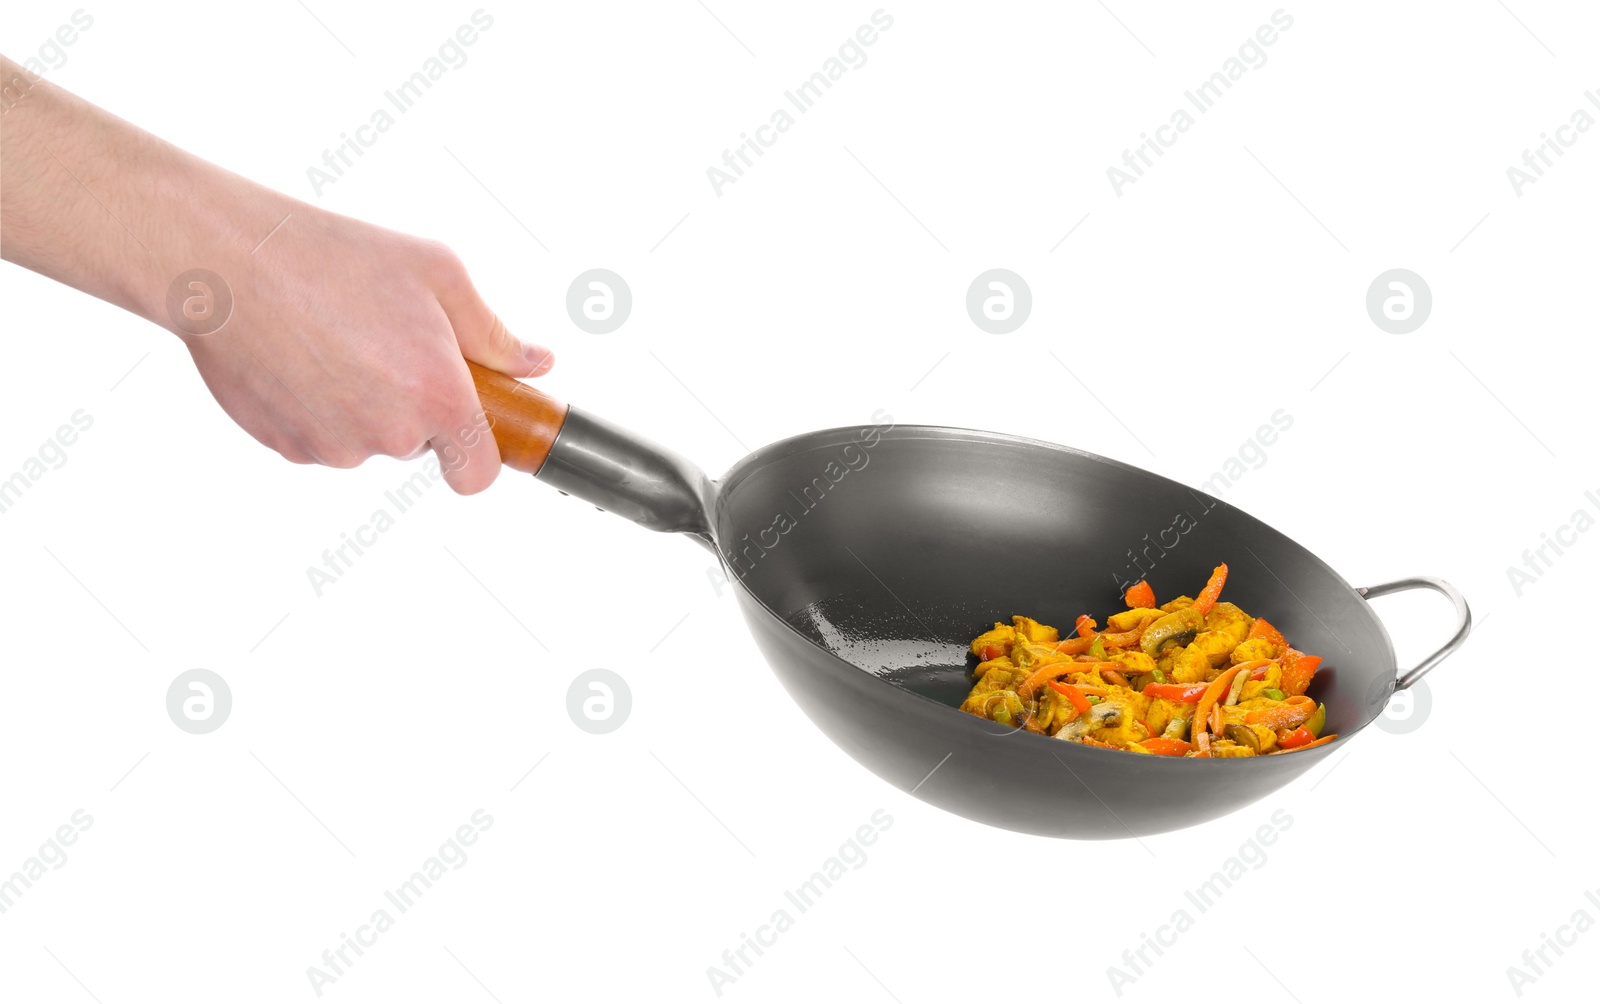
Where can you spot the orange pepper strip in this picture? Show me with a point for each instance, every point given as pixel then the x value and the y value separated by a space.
pixel 1086 625
pixel 1215 692
pixel 1082 688
pixel 1298 669
pixel 1139 596
pixel 1162 746
pixel 1257 667
pixel 1208 596
pixel 1314 742
pixel 1043 674
pixel 1127 639
pixel 1262 629
pixel 1055 669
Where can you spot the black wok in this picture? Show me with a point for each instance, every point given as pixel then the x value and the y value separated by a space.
pixel 867 558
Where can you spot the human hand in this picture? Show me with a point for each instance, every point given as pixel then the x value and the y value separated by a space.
pixel 343 341
pixel 348 341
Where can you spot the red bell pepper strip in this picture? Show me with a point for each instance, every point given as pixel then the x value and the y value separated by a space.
pixel 1162 746
pixel 1140 596
pixel 1208 596
pixel 1183 693
pixel 1296 739
pixel 1309 745
pixel 1072 694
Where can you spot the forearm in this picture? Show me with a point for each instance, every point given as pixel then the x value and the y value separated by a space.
pixel 103 206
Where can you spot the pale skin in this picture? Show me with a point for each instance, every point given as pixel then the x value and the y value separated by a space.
pixel 345 341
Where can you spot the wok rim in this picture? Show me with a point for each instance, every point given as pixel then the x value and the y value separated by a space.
pixel 742 468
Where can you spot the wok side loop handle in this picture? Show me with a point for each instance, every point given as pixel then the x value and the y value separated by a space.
pixel 583 455
pixel 1463 620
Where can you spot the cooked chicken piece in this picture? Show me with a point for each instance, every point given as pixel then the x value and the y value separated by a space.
pixel 1190 666
pixel 1133 662
pixel 994 643
pixel 1033 631
pixel 1003 706
pixel 1164 712
pixel 1252 649
pixel 1130 619
pixel 1226 748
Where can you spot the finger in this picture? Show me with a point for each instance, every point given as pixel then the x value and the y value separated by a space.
pixel 467 452
pixel 485 340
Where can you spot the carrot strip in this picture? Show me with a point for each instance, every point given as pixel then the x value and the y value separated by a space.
pixel 1314 742
pixel 1208 596
pixel 1085 625
pixel 1208 700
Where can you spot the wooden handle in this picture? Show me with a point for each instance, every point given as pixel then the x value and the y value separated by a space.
pixel 524 421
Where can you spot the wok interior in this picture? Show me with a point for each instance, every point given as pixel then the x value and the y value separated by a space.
pixel 893 555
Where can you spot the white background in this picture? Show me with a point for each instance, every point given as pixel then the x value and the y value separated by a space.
pixel 829 282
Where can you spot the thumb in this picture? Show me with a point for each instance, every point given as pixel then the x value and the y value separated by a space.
pixel 484 338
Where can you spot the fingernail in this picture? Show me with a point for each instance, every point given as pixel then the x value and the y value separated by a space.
pixel 538 357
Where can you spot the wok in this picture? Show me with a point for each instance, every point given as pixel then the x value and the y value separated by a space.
pixel 865 559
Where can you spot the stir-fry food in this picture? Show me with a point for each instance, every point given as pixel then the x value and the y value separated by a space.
pixel 1193 677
